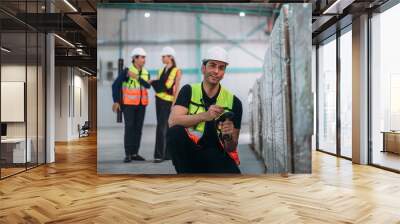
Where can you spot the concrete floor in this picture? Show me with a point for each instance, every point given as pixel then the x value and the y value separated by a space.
pixel 111 153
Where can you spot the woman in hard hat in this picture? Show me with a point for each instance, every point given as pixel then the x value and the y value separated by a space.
pixel 130 95
pixel 169 78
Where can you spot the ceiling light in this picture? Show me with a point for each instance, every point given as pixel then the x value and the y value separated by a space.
pixel 79 50
pixel 242 14
pixel 43 7
pixel 5 49
pixel 84 71
pixel 70 5
pixel 146 14
pixel 65 41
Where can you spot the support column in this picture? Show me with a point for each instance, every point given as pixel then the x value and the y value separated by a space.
pixel 360 90
pixel 50 93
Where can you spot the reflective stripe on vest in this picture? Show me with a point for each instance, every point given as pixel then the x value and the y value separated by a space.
pixel 132 92
pixel 224 99
pixel 194 135
pixel 168 83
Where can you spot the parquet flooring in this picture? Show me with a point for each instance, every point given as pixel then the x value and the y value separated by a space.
pixel 70 191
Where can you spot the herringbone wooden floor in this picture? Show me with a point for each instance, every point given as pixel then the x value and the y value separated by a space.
pixel 70 191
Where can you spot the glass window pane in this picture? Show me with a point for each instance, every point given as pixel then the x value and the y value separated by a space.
pixel 313 84
pixel 346 94
pixel 13 86
pixel 22 77
pixel 31 97
pixel 386 89
pixel 41 98
pixel 327 97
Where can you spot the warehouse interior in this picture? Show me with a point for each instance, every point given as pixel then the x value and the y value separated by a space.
pixel 245 40
pixel 58 60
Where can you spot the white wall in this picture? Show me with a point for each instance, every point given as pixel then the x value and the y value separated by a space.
pixel 67 115
pixel 176 29
pixel 14 73
pixel 61 103
pixel 33 126
pixel 17 73
pixel 79 117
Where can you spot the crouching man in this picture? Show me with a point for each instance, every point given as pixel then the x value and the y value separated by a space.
pixel 196 141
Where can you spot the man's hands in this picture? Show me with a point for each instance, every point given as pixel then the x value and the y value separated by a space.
pixel 132 75
pixel 152 80
pixel 116 107
pixel 213 112
pixel 136 76
pixel 226 128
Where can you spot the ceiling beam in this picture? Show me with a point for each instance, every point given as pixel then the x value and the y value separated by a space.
pixel 86 26
pixel 82 61
pixel 49 22
pixel 337 6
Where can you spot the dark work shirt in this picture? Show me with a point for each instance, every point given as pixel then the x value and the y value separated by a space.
pixel 210 136
pixel 163 79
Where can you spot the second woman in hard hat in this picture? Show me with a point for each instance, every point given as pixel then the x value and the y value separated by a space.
pixel 169 78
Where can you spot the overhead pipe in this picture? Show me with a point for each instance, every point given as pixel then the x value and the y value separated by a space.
pixel 121 60
pixel 120 32
pixel 198 45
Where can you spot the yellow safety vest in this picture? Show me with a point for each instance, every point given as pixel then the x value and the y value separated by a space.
pixel 196 106
pixel 169 83
pixel 132 92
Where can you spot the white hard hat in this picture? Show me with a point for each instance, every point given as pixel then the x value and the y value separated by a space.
pixel 217 54
pixel 168 51
pixel 138 52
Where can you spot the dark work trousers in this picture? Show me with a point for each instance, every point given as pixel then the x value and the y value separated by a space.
pixel 134 117
pixel 163 109
pixel 188 157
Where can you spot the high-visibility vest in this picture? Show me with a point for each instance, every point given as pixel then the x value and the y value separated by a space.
pixel 132 92
pixel 196 106
pixel 169 84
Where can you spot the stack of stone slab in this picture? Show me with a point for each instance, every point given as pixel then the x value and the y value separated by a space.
pixel 281 104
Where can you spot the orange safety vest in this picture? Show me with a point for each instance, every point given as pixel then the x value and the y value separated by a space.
pixel 132 91
pixel 224 99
